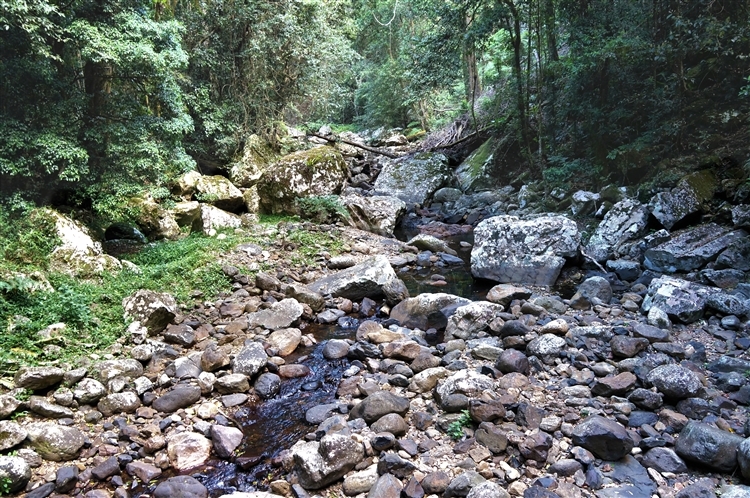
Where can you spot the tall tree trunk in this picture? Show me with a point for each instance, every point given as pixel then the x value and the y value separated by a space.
pixel 97 78
pixel 514 29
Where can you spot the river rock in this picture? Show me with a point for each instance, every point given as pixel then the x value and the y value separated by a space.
pixel 280 315
pixel 674 381
pixel 743 458
pixel 154 310
pixel 305 296
pixel 181 487
pixel 510 250
pixel 685 199
pixel 252 165
pixel 413 179
pixel 626 221
pixel 233 383
pixel 377 214
pixel 360 482
pixel 15 473
pixel 427 309
pixel 691 248
pixel 36 378
pixel 314 172
pixel 462 484
pixel 55 442
pixel 105 371
pixel 736 256
pixel 390 422
pixel 466 382
pixel 187 450
pixel 467 320
pixel 623 346
pixel 708 445
pixel 664 460
pixel 144 471
pixel 512 360
pixel 603 437
pixel 680 299
pixel 378 404
pixel 225 440
pixel 335 349
pixel 124 402
pixel 584 202
pixel 181 396
pixel 387 486
pixel 503 294
pixel 250 359
pixel 546 347
pixel 318 464
pixel 430 243
pixel 372 278
pixel 427 379
pixel 285 340
pixel 11 434
pixel 616 385
pixel 267 385
pixel 214 358
pixel 89 391
pixel 593 290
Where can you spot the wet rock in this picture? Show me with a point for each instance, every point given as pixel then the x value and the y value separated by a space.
pixel 605 438
pixel 124 402
pixel 267 385
pixel 154 310
pixel 509 250
pixel 427 309
pixel 55 442
pixel 674 381
pixel 280 315
pixel 377 214
pixel 708 445
pixel 318 464
pixel 250 359
pixel 36 378
pixel 378 404
pixel 187 450
pixel 335 349
pixel 430 243
pixel 182 487
pixel 664 460
pixel 15 473
pixel 225 440
pixel 413 179
pixel 181 396
pixel 372 278
pixel 691 248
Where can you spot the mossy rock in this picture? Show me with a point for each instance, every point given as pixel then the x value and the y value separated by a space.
pixel 475 172
pixel 315 172
pixel 252 165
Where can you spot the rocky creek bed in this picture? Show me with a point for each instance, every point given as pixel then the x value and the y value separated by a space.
pixel 522 360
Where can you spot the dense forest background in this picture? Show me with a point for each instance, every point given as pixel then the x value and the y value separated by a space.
pixel 101 98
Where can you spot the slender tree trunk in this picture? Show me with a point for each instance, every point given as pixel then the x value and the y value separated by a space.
pixel 514 29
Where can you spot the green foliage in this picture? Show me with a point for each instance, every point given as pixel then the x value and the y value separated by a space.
pixel 6 485
pixel 456 428
pixel 321 208
pixel 26 240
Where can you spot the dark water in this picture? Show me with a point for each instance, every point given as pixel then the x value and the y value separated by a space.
pixel 274 425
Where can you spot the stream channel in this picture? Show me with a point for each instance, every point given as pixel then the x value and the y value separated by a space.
pixel 273 425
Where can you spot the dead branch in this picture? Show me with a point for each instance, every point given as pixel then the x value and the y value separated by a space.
pixel 355 144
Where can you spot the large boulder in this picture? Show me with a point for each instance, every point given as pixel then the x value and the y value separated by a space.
pixel 54 442
pixel 687 198
pixel 318 464
pixel 218 191
pixel 510 250
pixel 674 381
pixel 708 445
pixel 427 309
pixel 188 214
pixel 314 172
pixel 413 179
pixel 155 221
pixel 36 378
pixel 623 223
pixel 187 450
pixel 679 298
pixel 255 159
pixel 154 310
pixel 476 171
pixel 376 214
pixel 279 315
pixel 213 218
pixel 78 255
pixel 379 404
pixel 692 248
pixel 372 278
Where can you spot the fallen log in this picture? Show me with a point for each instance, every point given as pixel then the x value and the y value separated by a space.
pixel 355 144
